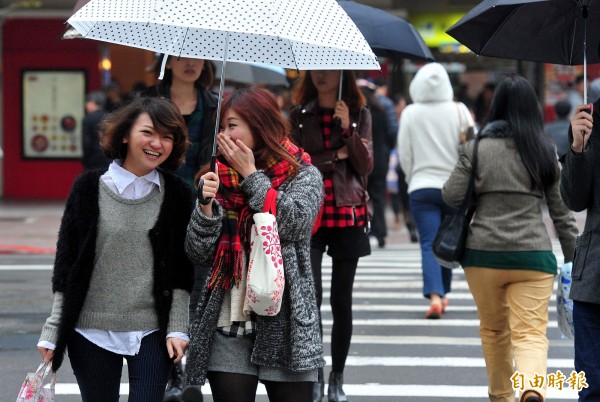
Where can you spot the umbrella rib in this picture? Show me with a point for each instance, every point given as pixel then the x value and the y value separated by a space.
pixel 183 42
pixel 496 30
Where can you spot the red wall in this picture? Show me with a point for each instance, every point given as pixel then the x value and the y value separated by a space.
pixel 36 44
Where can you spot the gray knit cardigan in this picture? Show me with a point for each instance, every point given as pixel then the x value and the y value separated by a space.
pixel 291 339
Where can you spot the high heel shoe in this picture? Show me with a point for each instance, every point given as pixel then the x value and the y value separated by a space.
pixel 435 311
pixel 335 393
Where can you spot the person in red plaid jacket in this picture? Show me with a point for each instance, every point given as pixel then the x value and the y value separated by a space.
pixel 337 135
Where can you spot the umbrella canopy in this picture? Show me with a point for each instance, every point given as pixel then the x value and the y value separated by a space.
pixel 544 31
pixel 243 73
pixel 301 34
pixel 388 35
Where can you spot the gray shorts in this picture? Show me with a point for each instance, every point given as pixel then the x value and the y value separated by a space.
pixel 232 355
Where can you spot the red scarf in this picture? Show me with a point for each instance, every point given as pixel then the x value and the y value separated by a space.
pixel 237 217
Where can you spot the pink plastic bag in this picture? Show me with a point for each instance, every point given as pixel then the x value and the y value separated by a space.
pixel 33 389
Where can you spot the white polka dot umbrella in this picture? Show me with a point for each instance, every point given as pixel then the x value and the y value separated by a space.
pixel 300 34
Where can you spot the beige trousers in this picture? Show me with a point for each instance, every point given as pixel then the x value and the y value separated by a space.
pixel 512 306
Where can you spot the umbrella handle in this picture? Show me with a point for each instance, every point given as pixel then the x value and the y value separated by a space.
pixel 337 122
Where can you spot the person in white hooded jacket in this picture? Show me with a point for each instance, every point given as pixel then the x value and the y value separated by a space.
pixel 428 142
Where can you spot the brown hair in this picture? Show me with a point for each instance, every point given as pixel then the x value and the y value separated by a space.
pixel 165 117
pixel 304 90
pixel 258 108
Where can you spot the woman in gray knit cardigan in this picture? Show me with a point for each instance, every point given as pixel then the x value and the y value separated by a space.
pixel 235 350
pixel 509 264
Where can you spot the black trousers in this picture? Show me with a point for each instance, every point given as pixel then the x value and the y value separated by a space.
pixel 98 371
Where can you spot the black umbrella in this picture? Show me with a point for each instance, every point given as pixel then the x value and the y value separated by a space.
pixel 543 31
pixel 388 35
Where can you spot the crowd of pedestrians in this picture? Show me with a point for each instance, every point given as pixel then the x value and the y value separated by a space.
pixel 336 160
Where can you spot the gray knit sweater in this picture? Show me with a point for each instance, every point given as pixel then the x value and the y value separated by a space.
pixel 291 339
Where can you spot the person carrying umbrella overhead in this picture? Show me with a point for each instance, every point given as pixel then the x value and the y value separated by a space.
pixel 344 154
pixel 234 348
pixel 579 189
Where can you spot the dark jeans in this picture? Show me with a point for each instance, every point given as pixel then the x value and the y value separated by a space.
pixel 98 371
pixel 586 325
pixel 428 208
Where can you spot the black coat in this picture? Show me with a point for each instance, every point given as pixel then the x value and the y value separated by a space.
pixel 75 251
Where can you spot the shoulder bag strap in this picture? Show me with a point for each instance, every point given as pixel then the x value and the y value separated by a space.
pixel 270 204
pixel 469 197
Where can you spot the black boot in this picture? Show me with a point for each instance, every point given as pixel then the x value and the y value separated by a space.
pixel 192 393
pixel 335 393
pixel 319 387
pixel 175 385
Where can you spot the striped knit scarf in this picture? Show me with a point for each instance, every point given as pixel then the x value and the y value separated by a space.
pixel 237 217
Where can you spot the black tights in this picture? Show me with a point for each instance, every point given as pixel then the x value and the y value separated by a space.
pixel 342 281
pixel 227 387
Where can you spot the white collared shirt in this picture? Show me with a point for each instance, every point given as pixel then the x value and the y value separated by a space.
pixel 131 187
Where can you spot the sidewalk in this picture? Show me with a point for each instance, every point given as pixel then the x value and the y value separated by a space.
pixel 31 226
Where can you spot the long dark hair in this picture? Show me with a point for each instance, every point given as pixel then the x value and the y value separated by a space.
pixel 516 102
pixel 304 91
pixel 206 80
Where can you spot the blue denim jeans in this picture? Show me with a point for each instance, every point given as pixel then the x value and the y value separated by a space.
pixel 586 325
pixel 428 209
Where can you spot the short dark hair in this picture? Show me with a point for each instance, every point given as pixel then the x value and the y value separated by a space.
pixel 165 117
pixel 97 97
pixel 562 108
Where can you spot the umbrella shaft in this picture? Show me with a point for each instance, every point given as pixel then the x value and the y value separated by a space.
pixel 221 85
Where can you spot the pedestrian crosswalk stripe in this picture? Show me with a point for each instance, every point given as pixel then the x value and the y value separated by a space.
pixel 428 340
pixel 565 365
pixel 419 322
pixel 373 389
pixel 398 308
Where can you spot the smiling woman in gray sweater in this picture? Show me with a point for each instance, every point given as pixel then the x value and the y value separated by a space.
pixel 508 261
pixel 121 278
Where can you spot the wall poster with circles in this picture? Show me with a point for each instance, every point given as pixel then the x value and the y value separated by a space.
pixel 53 111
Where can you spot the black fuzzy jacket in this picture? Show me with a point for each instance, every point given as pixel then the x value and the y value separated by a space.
pixel 75 251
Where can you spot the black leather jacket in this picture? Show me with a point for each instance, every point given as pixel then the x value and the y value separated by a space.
pixel 349 175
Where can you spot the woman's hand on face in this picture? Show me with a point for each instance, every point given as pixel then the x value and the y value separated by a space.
pixel 343 113
pixel 47 354
pixel 237 154
pixel 581 127
pixel 210 186
pixel 176 348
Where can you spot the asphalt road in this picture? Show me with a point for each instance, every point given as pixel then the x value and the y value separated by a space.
pixel 396 354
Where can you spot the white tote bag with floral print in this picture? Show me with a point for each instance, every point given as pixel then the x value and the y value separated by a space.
pixel 265 280
pixel 33 389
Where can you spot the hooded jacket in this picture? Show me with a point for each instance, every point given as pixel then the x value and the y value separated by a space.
pixel 428 138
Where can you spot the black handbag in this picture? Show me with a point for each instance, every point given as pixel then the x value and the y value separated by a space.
pixel 449 242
